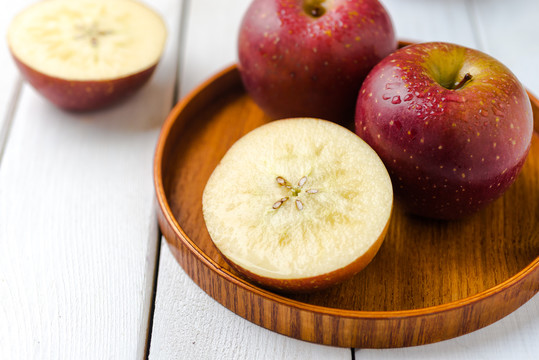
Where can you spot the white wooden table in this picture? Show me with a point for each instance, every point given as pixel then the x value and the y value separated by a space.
pixel 84 273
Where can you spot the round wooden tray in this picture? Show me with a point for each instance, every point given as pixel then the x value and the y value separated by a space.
pixel 430 281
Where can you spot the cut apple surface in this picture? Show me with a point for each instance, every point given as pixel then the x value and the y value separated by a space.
pixel 88 53
pixel 298 204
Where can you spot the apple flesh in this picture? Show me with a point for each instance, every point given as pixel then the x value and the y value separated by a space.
pixel 85 55
pixel 453 126
pixel 298 205
pixel 309 57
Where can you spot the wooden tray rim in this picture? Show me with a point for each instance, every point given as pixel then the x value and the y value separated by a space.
pixel 342 313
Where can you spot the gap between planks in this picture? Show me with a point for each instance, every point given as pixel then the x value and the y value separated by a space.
pixel 7 124
pixel 154 294
pixel 182 28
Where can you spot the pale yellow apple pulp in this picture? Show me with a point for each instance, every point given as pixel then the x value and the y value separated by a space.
pixel 87 39
pixel 296 199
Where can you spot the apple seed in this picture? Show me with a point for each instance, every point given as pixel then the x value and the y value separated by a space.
pixel 293 190
pixel 92 32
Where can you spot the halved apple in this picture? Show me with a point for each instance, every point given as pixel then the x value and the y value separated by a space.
pixel 87 54
pixel 298 205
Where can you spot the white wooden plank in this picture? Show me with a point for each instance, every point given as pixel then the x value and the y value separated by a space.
pixel 509 31
pixel 186 320
pixel 188 324
pixel 211 39
pixel 11 82
pixel 513 337
pixel 77 222
pixel 427 20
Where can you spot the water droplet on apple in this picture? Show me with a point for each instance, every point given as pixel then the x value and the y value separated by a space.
pixel 391 86
pixel 497 109
pixel 408 97
pixel 396 100
pixel 386 96
pixel 455 98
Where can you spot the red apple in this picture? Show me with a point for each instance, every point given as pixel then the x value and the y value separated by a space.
pixel 309 57
pixel 84 55
pixel 453 126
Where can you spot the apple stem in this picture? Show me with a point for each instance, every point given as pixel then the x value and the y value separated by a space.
pixel 464 80
pixel 314 8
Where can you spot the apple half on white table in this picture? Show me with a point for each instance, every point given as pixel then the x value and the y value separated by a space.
pixel 87 54
pixel 298 205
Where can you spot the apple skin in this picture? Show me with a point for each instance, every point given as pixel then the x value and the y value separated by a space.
pixel 449 151
pixel 314 283
pixel 84 95
pixel 293 64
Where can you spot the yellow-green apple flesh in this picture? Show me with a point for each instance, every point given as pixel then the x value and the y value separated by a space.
pixel 452 124
pixel 85 55
pixel 309 57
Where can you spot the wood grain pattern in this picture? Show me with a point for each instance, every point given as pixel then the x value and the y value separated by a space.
pixel 186 320
pixel 197 327
pixel 466 275
pixel 11 81
pixel 78 229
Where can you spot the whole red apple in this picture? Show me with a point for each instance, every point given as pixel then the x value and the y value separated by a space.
pixel 452 125
pixel 309 57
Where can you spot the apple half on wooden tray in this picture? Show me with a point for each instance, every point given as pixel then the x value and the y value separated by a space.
pixel 87 54
pixel 298 205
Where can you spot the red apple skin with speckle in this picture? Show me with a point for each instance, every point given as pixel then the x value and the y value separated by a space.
pixel 84 95
pixel 450 149
pixel 294 64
